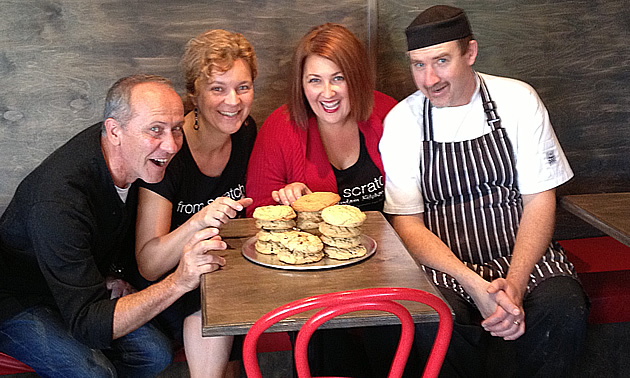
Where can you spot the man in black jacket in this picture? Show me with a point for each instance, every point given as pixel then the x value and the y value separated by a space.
pixel 71 220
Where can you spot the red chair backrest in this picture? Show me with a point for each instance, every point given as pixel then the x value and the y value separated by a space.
pixel 334 304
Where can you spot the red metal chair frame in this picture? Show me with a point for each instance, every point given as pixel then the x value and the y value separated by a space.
pixel 334 304
pixel 9 365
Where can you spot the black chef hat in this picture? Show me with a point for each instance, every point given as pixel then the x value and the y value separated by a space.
pixel 438 24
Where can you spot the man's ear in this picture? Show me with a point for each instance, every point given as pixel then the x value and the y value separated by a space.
pixel 112 131
pixel 471 54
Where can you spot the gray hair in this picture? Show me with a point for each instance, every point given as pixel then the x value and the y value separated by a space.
pixel 117 102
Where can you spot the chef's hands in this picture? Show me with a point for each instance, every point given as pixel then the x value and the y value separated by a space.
pixel 508 321
pixel 197 258
pixel 290 193
pixel 500 304
pixel 219 212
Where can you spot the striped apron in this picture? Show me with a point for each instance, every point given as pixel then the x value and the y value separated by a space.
pixel 472 203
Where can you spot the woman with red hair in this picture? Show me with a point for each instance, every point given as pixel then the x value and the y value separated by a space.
pixel 326 137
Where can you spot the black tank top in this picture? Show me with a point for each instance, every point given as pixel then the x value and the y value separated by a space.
pixel 361 184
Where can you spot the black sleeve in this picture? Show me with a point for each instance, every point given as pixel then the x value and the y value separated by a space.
pixel 61 234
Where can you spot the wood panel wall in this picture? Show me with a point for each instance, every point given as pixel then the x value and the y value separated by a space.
pixel 58 57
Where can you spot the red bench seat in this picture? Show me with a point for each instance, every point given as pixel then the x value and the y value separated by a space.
pixel 603 266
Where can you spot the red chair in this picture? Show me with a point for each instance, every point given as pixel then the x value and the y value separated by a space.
pixel 334 304
pixel 9 365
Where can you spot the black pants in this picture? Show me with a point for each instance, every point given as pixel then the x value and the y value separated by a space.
pixel 555 319
pixel 365 352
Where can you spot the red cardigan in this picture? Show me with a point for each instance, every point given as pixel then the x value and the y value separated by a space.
pixel 284 153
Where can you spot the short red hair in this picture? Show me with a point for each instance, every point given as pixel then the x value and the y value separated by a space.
pixel 336 43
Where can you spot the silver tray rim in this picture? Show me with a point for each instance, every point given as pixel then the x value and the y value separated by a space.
pixel 271 261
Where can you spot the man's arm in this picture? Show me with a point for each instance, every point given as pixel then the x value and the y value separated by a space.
pixel 134 310
pixel 533 236
pixel 429 250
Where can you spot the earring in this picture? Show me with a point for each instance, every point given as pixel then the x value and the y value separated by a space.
pixel 196 125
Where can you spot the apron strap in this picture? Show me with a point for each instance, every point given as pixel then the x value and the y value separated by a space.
pixel 489 106
pixel 428 119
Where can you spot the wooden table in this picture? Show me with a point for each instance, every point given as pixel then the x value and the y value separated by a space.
pixel 234 297
pixel 608 212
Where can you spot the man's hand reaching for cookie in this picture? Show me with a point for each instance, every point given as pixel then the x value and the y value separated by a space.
pixel 290 193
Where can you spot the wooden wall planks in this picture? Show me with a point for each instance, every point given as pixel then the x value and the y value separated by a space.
pixel 57 59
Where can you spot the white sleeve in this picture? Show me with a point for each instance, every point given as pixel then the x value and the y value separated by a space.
pixel 540 161
pixel 400 149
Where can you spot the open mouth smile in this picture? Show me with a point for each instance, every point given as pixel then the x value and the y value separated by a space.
pixel 438 89
pixel 330 106
pixel 159 162
pixel 228 114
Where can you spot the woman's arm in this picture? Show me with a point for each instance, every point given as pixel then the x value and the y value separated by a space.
pixel 157 249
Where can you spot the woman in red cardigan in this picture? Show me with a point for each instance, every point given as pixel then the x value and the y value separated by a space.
pixel 326 137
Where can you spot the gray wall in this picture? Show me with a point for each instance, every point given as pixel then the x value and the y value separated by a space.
pixel 57 59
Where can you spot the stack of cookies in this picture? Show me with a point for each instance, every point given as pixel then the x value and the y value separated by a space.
pixel 277 237
pixel 273 222
pixel 309 209
pixel 301 248
pixel 341 232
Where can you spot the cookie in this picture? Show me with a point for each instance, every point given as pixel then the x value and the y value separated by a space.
pixel 315 201
pixel 345 253
pixel 309 216
pixel 341 242
pixel 292 247
pixel 275 224
pixel 338 231
pixel 274 213
pixel 298 241
pixel 300 248
pixel 309 227
pixel 269 247
pixel 309 220
pixel 297 257
pixel 343 215
pixel 272 235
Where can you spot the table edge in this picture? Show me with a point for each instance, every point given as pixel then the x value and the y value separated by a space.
pixel 289 325
pixel 592 219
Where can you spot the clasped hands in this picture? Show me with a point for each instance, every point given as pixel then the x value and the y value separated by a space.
pixel 502 310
